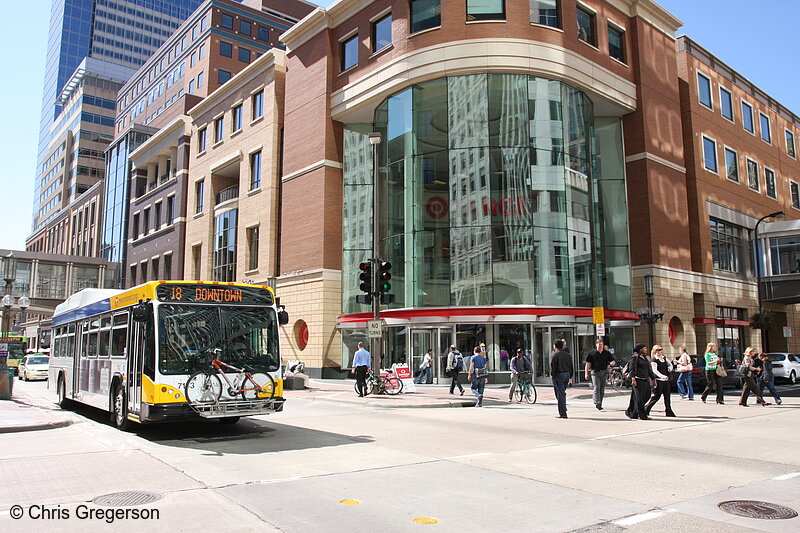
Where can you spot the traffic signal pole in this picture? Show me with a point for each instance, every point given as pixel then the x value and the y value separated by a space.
pixel 375 344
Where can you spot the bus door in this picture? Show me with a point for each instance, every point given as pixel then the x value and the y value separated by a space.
pixel 80 339
pixel 135 359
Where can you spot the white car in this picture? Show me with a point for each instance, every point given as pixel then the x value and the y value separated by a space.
pixel 785 366
pixel 34 366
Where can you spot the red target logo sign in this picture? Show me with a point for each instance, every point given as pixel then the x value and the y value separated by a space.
pixel 301 334
pixel 436 207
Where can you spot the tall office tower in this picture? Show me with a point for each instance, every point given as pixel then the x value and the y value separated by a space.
pixel 122 34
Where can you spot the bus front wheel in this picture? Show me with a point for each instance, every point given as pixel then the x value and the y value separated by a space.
pixel 229 419
pixel 119 413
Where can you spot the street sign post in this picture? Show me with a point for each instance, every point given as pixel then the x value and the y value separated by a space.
pixel 374 329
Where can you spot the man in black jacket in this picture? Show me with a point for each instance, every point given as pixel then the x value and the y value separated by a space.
pixel 561 373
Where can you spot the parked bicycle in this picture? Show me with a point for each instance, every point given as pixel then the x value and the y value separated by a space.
pixel 526 390
pixel 615 378
pixel 388 384
pixel 205 386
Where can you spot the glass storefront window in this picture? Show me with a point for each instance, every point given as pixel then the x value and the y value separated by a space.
pixel 785 255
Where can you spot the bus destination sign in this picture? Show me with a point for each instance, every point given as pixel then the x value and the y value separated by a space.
pixel 220 294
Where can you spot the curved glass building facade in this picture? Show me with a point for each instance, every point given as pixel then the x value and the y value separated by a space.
pixel 496 190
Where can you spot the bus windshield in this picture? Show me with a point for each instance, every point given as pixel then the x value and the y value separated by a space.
pixel 188 335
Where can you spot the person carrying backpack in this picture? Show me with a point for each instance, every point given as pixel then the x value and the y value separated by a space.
pixel 455 364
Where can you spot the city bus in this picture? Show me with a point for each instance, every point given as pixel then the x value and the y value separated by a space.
pixel 17 345
pixel 132 352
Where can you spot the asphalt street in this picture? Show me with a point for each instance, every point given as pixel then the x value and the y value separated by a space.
pixel 336 467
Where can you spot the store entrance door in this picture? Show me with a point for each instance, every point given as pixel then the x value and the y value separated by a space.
pixel 438 340
pixel 543 340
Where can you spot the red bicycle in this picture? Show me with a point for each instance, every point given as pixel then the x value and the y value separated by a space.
pixel 205 386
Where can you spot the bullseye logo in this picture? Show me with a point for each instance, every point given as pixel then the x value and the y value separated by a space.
pixel 436 207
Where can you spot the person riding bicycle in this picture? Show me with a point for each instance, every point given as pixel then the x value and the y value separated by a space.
pixel 519 364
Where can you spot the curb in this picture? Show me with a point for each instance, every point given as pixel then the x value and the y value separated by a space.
pixel 401 404
pixel 37 427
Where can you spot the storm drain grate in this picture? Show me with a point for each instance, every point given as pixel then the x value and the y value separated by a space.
pixel 126 499
pixel 756 509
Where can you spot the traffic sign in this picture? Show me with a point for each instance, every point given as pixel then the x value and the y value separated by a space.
pixel 600 329
pixel 598 315
pixel 374 329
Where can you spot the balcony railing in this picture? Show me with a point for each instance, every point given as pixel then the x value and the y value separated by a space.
pixel 227 194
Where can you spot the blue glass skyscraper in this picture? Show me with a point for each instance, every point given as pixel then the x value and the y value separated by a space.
pixel 123 32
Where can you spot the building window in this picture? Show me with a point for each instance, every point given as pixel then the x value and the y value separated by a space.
pixel 146 221
pixel 616 43
pixel 586 26
pixel 545 12
pixel 785 255
pixel 349 51
pixel 193 59
pixel 793 188
pixel 263 34
pixel 223 76
pixel 245 28
pixel 425 14
pixel 168 266
pixel 790 143
pixel 252 248
pixel 199 80
pixel 157 220
pixel 732 165
pixel 133 275
pixel 752 174
pixel 198 196
pixel 226 21
pixel 219 129
pixel 237 118
pixel 135 227
pixel 201 52
pixel 224 268
pixel 201 141
pixel 191 86
pixel 382 33
pixel 225 49
pixel 727 245
pixel 769 180
pixel 255 170
pixel 258 104
pixel 197 257
pixel 486 10
pixel 766 136
pixel 244 55
pixel 709 154
pixel 704 90
pixel 726 103
pixel 747 117
pixel 170 210
pixel 730 339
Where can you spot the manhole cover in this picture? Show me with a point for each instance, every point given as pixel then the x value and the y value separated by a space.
pixel 756 509
pixel 125 499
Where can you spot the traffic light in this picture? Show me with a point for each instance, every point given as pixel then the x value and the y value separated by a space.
pixel 384 275
pixel 365 277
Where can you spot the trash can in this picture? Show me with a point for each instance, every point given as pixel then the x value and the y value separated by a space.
pixel 6 384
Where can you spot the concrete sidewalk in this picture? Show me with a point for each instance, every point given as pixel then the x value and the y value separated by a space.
pixel 24 412
pixel 342 391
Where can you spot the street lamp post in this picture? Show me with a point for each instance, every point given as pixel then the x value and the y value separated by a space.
pixel 759 261
pixel 375 343
pixel 650 314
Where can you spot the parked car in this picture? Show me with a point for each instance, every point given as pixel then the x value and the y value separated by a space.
pixel 699 375
pixel 785 366
pixel 34 366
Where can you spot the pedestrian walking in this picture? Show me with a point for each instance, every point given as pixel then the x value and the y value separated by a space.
pixel 425 368
pixel 361 362
pixel 519 364
pixel 767 378
pixel 478 374
pixel 455 364
pixel 712 380
pixel 561 370
pixel 641 373
pixel 747 370
pixel 661 368
pixel 684 370
pixel 597 363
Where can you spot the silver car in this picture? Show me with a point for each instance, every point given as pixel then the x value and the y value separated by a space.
pixel 34 366
pixel 785 365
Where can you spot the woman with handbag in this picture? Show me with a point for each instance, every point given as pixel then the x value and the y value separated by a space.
pixel 684 369
pixel 748 383
pixel 713 367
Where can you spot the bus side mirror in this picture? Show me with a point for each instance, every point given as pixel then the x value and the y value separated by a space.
pixel 283 317
pixel 141 311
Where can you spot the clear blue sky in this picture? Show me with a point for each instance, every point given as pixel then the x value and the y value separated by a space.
pixel 758 39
